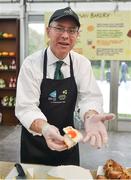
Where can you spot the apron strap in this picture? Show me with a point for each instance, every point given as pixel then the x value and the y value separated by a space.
pixel 45 64
pixel 71 67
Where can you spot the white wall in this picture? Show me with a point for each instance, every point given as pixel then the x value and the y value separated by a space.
pixel 106 6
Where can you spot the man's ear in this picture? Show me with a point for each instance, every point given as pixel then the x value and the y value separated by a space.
pixel 78 34
pixel 47 31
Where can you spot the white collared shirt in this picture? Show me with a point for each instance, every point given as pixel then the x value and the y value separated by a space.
pixel 31 75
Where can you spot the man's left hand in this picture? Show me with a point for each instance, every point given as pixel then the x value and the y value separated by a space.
pixel 95 130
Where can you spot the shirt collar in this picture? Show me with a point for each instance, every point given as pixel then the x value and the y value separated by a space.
pixel 53 59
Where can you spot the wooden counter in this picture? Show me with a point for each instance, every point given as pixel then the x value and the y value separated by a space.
pixel 6 167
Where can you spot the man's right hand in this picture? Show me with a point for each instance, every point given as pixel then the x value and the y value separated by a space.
pixel 53 137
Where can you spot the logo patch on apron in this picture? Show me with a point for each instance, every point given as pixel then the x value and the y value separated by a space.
pixel 54 97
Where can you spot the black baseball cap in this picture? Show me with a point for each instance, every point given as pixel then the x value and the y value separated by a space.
pixel 66 12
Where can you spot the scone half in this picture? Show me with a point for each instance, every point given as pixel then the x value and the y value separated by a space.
pixel 72 136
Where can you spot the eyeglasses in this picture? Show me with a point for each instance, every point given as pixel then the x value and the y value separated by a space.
pixel 61 30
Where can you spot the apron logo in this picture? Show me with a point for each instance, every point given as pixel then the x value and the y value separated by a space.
pixel 52 96
pixel 55 98
pixel 64 91
pixel 62 97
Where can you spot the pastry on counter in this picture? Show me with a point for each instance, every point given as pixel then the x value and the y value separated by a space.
pixel 114 170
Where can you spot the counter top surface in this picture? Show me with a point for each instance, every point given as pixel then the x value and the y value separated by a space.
pixel 6 167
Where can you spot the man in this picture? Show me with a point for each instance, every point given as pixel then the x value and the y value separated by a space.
pixel 124 71
pixel 45 105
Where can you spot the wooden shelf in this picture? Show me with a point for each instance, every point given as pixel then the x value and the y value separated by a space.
pixel 7 57
pixel 10 25
pixel 7 107
pixel 7 89
pixel 8 70
pixel 4 39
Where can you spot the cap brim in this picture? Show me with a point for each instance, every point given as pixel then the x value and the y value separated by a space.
pixel 63 16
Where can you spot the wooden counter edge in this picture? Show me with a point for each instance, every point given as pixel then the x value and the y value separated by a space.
pixel 6 167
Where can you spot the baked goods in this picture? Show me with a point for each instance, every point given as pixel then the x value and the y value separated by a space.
pixel 101 177
pixel 72 136
pixel 129 33
pixel 12 54
pixel 114 170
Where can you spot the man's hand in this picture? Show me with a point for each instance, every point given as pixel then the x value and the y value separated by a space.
pixel 53 138
pixel 96 133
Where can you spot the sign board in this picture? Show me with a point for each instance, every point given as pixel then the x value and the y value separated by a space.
pixel 103 35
